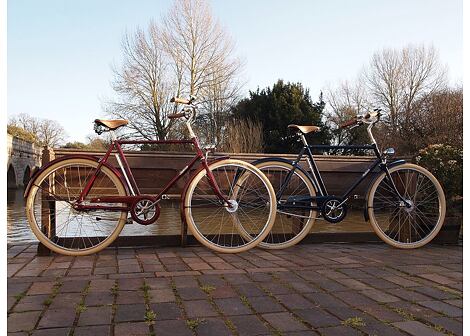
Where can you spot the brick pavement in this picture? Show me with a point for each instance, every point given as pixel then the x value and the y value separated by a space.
pixel 320 289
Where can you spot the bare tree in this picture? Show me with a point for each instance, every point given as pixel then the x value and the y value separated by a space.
pixel 46 132
pixel 398 79
pixel 438 119
pixel 143 86
pixel 344 103
pixel 188 54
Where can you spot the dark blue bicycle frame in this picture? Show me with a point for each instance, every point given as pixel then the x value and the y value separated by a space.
pixel 317 180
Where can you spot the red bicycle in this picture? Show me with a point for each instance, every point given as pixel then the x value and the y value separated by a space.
pixel 78 204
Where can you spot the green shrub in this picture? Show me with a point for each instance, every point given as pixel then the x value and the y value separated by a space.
pixel 446 164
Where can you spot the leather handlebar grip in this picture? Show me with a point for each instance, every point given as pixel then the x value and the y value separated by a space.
pixel 176 115
pixel 348 123
pixel 179 100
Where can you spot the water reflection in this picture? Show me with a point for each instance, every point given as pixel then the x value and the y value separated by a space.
pixel 169 222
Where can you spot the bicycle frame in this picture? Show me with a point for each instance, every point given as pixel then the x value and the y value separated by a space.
pixel 317 180
pixel 130 180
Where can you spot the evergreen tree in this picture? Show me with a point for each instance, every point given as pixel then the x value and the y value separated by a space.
pixel 277 107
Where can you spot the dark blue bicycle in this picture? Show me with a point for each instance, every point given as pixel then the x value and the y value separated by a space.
pixel 405 203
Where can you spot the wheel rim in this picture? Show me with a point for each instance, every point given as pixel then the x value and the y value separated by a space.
pixel 291 223
pixel 413 220
pixel 76 232
pixel 230 228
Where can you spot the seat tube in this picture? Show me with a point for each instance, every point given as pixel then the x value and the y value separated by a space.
pixel 320 186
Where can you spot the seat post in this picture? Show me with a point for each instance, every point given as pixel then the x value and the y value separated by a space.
pixel 113 135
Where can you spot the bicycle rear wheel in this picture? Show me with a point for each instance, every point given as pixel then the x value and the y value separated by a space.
pixel 54 221
pixel 396 223
pixel 242 225
pixel 295 209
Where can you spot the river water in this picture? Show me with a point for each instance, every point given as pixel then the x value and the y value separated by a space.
pixel 168 223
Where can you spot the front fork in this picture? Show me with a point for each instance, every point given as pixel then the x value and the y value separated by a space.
pixel 406 202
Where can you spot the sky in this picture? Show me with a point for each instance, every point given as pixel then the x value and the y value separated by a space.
pixel 60 53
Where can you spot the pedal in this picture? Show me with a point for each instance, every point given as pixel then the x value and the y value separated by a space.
pixel 129 221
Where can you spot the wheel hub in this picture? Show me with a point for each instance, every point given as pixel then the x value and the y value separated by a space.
pixel 408 205
pixel 233 206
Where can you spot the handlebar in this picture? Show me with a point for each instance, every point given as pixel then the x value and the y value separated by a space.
pixel 176 115
pixel 366 118
pixel 349 123
pixel 180 101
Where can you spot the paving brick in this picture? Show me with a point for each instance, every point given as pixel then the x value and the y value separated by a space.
pixel 223 292
pixel 440 279
pixel 31 302
pixel 325 300
pixel 403 282
pixel 52 332
pixel 199 308
pixel 435 293
pixel 55 318
pixel 317 317
pixel 185 282
pixel 339 331
pixel 99 285
pixel 232 306
pixel 22 321
pixel 213 326
pixel 249 289
pixel 41 288
pixel 416 328
pixel 162 295
pixel 382 313
pixel 130 312
pixel 172 327
pixel 129 297
pixel 408 294
pixel 131 329
pixel 249 325
pixel 166 311
pixel 95 316
pixel 265 304
pixel 377 328
pixel 65 300
pixel 99 298
pixel 284 322
pixel 455 302
pixel 294 301
pixel 353 284
pixel 443 308
pixel 380 296
pixel 355 299
pixel 447 323
pixel 188 293
pixel 102 330
pixel 416 310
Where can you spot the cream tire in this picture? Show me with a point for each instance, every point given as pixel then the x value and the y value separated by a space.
pixel 35 227
pixel 193 226
pixel 375 224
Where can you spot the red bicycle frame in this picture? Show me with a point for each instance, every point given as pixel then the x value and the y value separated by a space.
pixel 130 180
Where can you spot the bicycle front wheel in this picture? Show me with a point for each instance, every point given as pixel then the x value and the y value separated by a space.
pixel 243 224
pixel 55 222
pixel 416 219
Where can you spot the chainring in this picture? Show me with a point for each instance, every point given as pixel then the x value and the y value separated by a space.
pixel 332 211
pixel 145 211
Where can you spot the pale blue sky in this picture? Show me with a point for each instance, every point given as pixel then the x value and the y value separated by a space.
pixel 60 52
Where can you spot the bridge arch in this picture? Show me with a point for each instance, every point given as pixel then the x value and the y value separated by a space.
pixel 11 177
pixel 26 175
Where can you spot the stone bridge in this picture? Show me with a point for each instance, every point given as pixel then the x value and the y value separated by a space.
pixel 23 157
